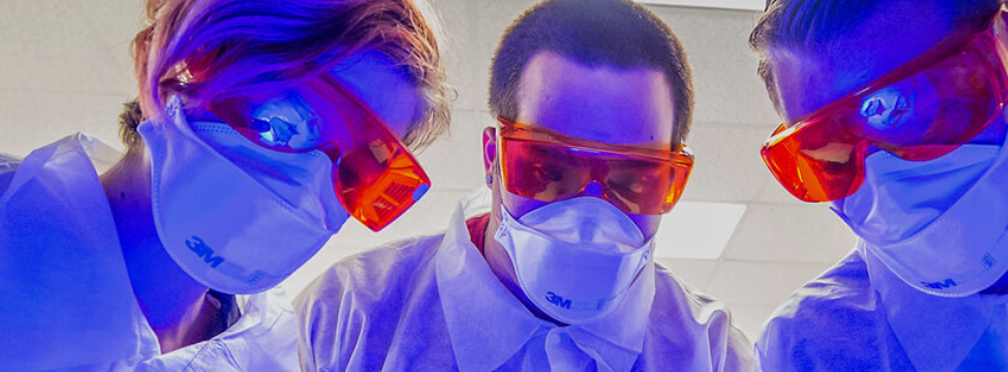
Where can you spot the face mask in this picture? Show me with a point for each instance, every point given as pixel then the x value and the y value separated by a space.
pixel 574 259
pixel 236 217
pixel 938 224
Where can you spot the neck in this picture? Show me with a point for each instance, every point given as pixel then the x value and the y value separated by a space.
pixel 500 263
pixel 172 302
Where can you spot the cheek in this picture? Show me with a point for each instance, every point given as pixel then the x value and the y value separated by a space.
pixel 995 133
pixel 648 224
pixel 518 206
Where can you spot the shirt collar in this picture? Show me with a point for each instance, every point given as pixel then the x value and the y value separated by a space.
pixel 471 295
pixel 917 317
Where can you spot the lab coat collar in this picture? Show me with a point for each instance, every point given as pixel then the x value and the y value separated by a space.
pixel 916 318
pixel 65 281
pixel 263 325
pixel 98 321
pixel 478 308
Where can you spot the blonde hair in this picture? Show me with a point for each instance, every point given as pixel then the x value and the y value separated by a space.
pixel 258 45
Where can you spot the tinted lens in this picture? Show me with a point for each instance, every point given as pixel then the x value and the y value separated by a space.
pixel 814 168
pixel 643 186
pixel 542 172
pixel 932 112
pixel 548 172
pixel 376 177
pixel 920 116
pixel 379 183
pixel 374 174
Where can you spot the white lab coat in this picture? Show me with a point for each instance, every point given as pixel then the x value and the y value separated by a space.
pixel 859 316
pixel 432 304
pixel 66 303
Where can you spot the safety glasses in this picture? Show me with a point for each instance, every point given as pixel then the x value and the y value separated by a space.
pixel 920 111
pixel 374 175
pixel 548 166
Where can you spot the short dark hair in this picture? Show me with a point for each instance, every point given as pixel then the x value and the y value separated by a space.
pixel 618 33
pixel 812 25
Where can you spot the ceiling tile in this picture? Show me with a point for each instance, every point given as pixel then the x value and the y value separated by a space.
pixel 32 119
pixel 759 283
pixel 750 5
pixel 696 273
pixel 455 161
pixel 750 318
pixel 490 18
pixel 697 230
pixel 116 22
pixel 48 46
pixel 468 66
pixel 790 233
pixel 728 89
pixel 772 192
pixel 728 167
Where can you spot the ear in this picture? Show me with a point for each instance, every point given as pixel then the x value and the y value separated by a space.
pixel 489 151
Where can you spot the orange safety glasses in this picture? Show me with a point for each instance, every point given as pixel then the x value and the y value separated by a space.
pixel 374 175
pixel 548 166
pixel 921 111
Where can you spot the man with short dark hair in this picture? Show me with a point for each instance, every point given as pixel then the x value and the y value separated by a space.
pixel 894 115
pixel 593 99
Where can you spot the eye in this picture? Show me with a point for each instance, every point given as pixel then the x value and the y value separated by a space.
pixel 548 172
pixel 286 122
pixel 887 108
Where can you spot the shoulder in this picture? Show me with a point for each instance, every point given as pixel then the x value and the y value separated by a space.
pixel 830 323
pixel 704 318
pixel 349 303
pixel 8 165
pixel 374 275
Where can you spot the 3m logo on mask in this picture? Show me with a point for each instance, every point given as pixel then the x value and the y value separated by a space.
pixel 204 251
pixel 948 283
pixel 238 272
pixel 553 298
pixel 560 302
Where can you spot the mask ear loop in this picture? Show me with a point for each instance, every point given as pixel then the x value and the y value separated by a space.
pixel 860 153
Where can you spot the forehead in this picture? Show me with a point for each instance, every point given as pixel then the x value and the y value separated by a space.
pixel 382 85
pixel 605 104
pixel 812 77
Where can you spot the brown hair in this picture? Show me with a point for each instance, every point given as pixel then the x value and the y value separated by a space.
pixel 266 44
pixel 813 25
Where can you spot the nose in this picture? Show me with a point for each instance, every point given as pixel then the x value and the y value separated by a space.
pixel 592 189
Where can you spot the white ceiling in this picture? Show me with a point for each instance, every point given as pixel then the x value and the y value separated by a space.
pixel 65 67
pixel 714 4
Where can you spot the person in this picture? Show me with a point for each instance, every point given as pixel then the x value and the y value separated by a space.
pixel 261 127
pixel 594 101
pixel 901 129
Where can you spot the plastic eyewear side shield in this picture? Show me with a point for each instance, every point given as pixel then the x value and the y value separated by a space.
pixel 374 175
pixel 920 111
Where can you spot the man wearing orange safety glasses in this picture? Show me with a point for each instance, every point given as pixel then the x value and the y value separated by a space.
pixel 894 114
pixel 593 100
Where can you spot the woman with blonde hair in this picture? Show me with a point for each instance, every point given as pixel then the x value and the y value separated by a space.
pixel 264 126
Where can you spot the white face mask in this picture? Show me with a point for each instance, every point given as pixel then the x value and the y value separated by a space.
pixel 574 259
pixel 938 225
pixel 237 217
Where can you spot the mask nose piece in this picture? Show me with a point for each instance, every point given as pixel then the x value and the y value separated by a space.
pixel 593 189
